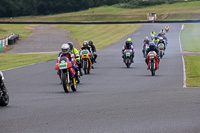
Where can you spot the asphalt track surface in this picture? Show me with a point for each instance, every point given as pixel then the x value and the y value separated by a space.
pixel 112 99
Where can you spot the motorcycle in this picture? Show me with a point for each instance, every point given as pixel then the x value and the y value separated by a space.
pixel 161 50
pixel 166 29
pixel 4 97
pixel 145 50
pixel 152 62
pixel 67 74
pixel 128 57
pixel 86 61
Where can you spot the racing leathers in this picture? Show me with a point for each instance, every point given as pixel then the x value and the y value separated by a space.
pixel 77 58
pixel 94 52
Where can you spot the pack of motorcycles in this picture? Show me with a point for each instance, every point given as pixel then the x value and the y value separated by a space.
pixel 68 78
pixel 152 55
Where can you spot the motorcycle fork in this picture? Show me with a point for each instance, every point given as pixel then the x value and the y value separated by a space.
pixel 68 78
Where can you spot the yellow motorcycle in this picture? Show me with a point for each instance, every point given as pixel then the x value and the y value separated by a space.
pixel 86 61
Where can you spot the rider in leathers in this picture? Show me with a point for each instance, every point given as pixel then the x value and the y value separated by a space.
pixel 128 45
pixel 77 56
pixel 93 50
pixel 146 42
pixel 66 52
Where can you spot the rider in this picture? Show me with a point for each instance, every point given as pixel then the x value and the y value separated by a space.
pixel 77 56
pixel 128 46
pixel 93 50
pixel 167 27
pixel 146 42
pixel 152 33
pixel 152 47
pixel 88 47
pixel 155 40
pixel 162 33
pixel 162 41
pixel 2 85
pixel 66 52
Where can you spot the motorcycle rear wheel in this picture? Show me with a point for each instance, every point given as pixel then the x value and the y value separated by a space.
pixel 65 83
pixel 4 100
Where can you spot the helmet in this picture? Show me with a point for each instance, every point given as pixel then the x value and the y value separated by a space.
pixel 156 38
pixel 162 31
pixel 90 42
pixel 152 44
pixel 146 38
pixel 65 48
pixel 152 32
pixel 85 44
pixel 160 38
pixel 70 45
pixel 129 39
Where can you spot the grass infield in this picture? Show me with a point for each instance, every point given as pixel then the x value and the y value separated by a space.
pixel 192 64
pixel 9 61
pixel 102 35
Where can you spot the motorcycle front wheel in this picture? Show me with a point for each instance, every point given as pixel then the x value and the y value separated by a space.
pixel 152 69
pixel 74 85
pixel 65 83
pixel 4 100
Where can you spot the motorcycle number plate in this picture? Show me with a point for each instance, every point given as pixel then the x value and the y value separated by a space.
pixel 63 66
pixel 85 52
pixel 151 56
pixel 128 54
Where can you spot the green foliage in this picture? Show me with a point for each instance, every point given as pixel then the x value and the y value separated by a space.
pixel 13 8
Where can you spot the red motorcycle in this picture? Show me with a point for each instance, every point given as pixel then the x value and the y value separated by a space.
pixel 152 61
pixel 67 74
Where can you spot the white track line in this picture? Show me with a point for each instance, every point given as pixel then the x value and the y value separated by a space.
pixel 181 49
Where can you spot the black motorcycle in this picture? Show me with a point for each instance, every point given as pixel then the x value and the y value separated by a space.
pixel 4 97
pixel 128 58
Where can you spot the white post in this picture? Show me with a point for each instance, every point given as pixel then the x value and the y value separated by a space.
pixel 6 41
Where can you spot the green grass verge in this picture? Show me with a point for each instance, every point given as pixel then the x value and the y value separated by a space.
pixel 192 63
pixel 102 35
pixel 16 60
pixel 8 29
pixel 176 11
pixel 190 37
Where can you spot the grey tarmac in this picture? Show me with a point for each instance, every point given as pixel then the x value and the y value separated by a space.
pixel 112 99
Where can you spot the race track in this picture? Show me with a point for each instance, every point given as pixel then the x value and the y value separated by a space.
pixel 112 99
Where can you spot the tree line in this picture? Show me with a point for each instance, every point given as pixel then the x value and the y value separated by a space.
pixel 13 8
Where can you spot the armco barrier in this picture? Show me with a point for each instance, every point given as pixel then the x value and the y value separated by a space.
pixel 9 40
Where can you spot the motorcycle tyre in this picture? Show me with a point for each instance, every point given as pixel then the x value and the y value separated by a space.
pixel 152 69
pixel 4 100
pixel 74 85
pixel 65 83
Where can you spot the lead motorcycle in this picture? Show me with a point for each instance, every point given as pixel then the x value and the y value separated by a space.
pixel 4 97
pixel 67 74
pixel 152 62
pixel 128 57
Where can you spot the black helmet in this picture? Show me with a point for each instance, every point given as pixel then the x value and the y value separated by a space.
pixel 127 44
pixel 90 42
pixel 70 45
pixel 85 44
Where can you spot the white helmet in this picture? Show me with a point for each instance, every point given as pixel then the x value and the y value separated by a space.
pixel 161 38
pixel 65 48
